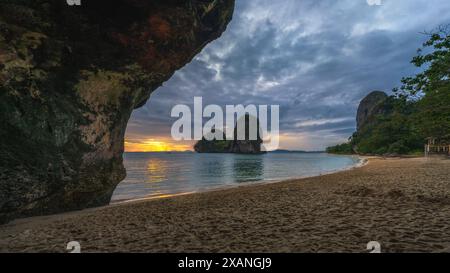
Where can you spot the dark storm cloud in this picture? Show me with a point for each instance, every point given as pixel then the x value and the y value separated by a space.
pixel 315 58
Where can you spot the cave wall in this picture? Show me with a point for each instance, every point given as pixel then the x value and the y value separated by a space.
pixel 70 76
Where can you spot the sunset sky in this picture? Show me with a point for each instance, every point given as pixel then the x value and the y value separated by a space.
pixel 315 58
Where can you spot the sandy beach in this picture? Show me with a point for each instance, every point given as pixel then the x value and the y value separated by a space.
pixel 404 204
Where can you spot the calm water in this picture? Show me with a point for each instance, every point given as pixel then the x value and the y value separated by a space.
pixel 164 174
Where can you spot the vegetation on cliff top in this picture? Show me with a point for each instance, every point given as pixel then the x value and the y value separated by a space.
pixel 420 108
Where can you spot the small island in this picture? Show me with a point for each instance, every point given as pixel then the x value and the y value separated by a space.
pixel 246 146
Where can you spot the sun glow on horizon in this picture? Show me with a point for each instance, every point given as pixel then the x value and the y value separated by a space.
pixel 162 144
pixel 156 145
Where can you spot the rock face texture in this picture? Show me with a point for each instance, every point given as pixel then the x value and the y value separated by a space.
pixel 368 107
pixel 70 76
pixel 213 146
pixel 247 144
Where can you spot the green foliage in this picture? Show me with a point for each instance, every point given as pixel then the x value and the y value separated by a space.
pixel 419 109
pixel 213 146
pixel 392 132
pixel 222 144
pixel 431 88
pixel 345 148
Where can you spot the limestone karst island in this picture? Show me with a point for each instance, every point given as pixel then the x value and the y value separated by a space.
pixel 224 126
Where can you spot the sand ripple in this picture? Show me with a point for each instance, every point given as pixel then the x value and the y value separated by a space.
pixel 402 203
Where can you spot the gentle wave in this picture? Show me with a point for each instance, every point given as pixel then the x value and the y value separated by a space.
pixel 159 175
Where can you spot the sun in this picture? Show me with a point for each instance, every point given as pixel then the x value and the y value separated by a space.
pixel 153 145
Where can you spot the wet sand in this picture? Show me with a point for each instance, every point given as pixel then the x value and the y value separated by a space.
pixel 404 204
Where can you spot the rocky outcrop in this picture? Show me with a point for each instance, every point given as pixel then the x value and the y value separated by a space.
pixel 70 76
pixel 369 107
pixel 243 145
pixel 213 146
pixel 249 144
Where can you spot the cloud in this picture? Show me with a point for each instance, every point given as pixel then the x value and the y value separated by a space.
pixel 315 122
pixel 315 58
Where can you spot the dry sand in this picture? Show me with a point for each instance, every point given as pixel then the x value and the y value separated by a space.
pixel 402 203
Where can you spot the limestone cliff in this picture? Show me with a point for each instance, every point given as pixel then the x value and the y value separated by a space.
pixel 245 145
pixel 215 145
pixel 369 107
pixel 70 76
pixel 248 144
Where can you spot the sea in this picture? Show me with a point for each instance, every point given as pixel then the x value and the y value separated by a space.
pixel 158 175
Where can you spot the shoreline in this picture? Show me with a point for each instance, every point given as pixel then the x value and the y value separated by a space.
pixel 363 160
pixel 403 203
